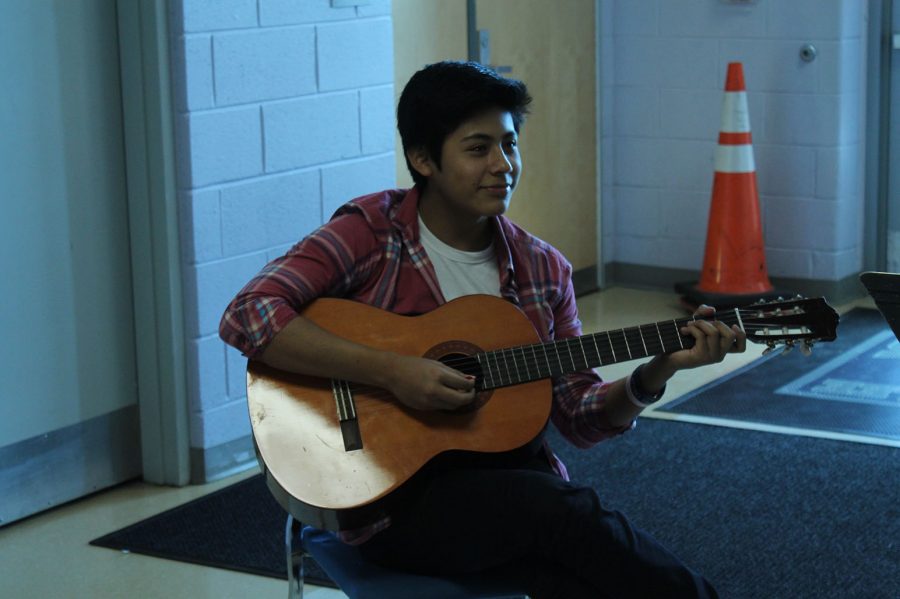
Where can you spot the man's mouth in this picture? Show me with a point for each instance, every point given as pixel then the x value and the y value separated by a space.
pixel 498 187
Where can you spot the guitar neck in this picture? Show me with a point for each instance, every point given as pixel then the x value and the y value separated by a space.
pixel 523 364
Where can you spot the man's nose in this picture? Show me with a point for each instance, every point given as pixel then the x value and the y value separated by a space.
pixel 500 162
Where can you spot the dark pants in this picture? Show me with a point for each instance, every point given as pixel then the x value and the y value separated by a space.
pixel 557 535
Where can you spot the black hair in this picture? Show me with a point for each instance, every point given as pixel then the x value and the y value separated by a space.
pixel 441 96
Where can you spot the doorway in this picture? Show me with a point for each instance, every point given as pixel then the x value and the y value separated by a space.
pixel 891 161
pixel 551 46
pixel 69 422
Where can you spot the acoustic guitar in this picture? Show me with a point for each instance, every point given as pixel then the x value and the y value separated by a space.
pixel 335 454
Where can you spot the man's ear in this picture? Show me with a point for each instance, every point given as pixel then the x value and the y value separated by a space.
pixel 421 161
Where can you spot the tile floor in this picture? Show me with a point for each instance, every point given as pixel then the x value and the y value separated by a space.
pixel 48 555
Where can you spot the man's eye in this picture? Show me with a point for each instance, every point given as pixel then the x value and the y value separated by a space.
pixel 477 149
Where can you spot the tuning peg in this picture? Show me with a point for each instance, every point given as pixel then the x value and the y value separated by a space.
pixel 770 347
pixel 788 346
pixel 806 348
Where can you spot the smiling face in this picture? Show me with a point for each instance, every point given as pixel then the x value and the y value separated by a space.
pixel 479 170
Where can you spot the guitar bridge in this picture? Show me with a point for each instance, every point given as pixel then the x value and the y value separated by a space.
pixel 350 432
pixel 346 411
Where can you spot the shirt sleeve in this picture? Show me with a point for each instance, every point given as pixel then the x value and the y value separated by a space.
pixel 579 399
pixel 329 262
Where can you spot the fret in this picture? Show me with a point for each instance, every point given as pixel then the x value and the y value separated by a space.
pixel 529 376
pixel 569 351
pixel 558 358
pixel 678 334
pixel 486 369
pixel 651 339
pixel 608 357
pixel 499 372
pixel 515 374
pixel 546 358
pixel 611 348
pixel 506 365
pixel 620 341
pixel 632 332
pixel 597 349
pixel 659 333
pixel 537 362
pixel 512 353
pixel 583 354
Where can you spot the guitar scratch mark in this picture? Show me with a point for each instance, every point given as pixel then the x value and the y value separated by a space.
pixel 324 442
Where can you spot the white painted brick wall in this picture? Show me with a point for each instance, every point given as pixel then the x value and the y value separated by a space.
pixel 211 15
pixel 268 212
pixel 665 64
pixel 356 178
pixel 376 115
pixel 310 130
pixel 355 54
pixel 285 112
pixel 216 146
pixel 257 65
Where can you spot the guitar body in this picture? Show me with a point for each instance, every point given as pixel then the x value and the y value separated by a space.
pixel 298 436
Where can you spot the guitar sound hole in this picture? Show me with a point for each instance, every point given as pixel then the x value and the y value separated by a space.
pixel 459 356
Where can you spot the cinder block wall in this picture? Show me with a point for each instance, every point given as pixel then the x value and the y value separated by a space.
pixel 662 77
pixel 285 111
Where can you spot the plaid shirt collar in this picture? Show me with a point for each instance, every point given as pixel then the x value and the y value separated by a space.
pixel 404 218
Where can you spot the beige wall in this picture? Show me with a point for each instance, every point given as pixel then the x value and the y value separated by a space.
pixel 550 46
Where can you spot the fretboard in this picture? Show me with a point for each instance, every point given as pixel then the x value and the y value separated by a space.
pixel 522 364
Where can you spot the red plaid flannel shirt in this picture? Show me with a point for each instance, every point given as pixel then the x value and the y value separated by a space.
pixel 370 252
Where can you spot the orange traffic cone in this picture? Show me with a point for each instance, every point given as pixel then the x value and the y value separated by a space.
pixel 734 265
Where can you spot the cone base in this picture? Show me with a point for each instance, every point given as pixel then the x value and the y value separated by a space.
pixel 692 297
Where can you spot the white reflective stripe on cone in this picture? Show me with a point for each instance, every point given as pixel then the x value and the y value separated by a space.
pixel 735 159
pixel 735 114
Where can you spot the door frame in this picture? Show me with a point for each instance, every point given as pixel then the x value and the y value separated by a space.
pixel 878 118
pixel 148 118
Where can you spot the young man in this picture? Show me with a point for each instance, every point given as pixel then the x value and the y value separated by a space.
pixel 411 251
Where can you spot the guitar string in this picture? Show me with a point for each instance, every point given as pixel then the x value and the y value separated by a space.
pixel 466 363
pixel 617 338
pixel 526 356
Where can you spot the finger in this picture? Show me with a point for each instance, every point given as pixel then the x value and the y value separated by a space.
pixel 726 336
pixel 695 330
pixel 704 311
pixel 710 349
pixel 457 380
pixel 740 339
pixel 456 398
pixel 705 327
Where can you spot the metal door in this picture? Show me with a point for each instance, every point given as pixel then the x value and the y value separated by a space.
pixel 68 394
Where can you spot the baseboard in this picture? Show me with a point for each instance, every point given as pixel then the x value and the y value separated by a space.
pixel 585 280
pixel 213 463
pixel 56 467
pixel 652 277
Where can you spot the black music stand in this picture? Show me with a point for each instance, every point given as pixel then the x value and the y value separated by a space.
pixel 884 287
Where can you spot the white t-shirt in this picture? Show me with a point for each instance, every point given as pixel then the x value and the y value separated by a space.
pixel 461 273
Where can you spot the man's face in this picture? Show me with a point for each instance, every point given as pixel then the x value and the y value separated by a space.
pixel 480 166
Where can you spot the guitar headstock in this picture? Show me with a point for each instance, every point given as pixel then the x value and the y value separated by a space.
pixel 790 322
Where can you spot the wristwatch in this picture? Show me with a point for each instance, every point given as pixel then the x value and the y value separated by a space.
pixel 637 394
